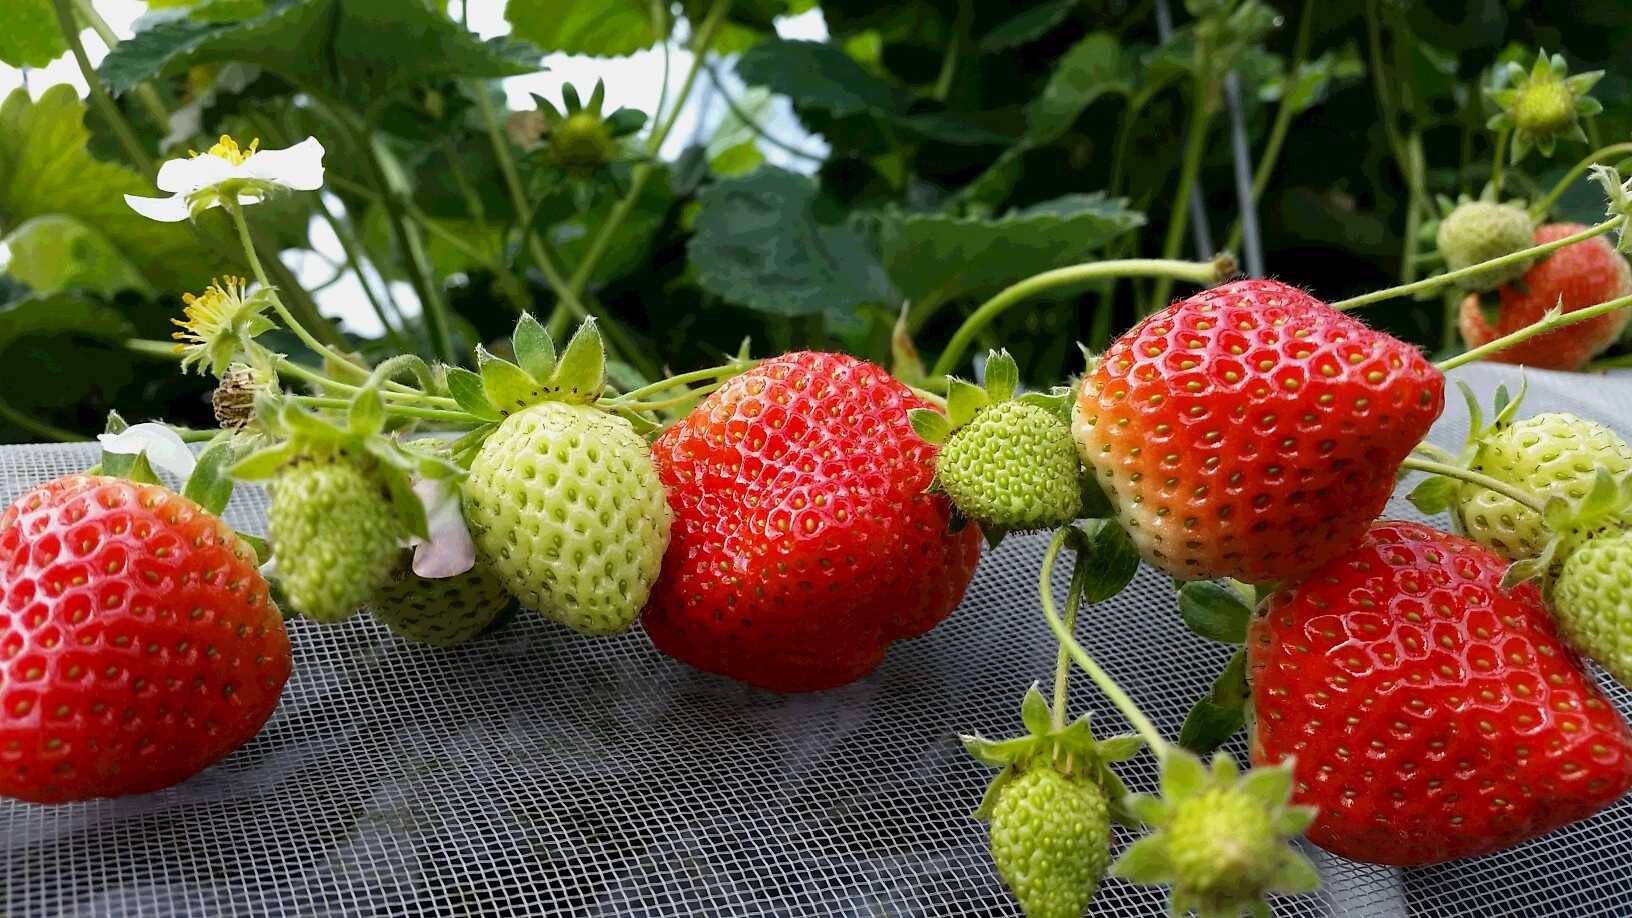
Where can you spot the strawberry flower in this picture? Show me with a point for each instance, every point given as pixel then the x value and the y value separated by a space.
pixel 229 174
pixel 166 450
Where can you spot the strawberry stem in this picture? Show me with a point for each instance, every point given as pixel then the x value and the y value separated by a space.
pixel 405 411
pixel 1539 211
pixel 1549 322
pixel 1196 272
pixel 1470 476
pixel 1062 663
pixel 1068 643
pixel 1440 280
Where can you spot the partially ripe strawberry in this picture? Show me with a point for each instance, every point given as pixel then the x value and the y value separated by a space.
pixel 804 542
pixel 1432 714
pixel 1479 231
pixel 138 645
pixel 1252 431
pixel 1576 276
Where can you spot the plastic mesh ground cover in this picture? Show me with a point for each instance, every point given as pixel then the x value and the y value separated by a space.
pixel 537 772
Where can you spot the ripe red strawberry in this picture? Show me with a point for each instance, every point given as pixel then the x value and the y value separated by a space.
pixel 804 541
pixel 1432 714
pixel 1581 275
pixel 1252 431
pixel 138 644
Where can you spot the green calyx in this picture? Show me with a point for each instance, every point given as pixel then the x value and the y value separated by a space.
pixel 581 140
pixel 577 376
pixel 1471 232
pixel 362 439
pixel 1006 462
pixel 1071 750
pixel 1542 105
pixel 1606 507
pixel 1620 204
pixel 1220 837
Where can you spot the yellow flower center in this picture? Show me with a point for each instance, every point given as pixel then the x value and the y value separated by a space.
pixel 228 149
pixel 210 312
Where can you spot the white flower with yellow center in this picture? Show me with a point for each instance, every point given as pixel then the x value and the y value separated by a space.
pixel 228 173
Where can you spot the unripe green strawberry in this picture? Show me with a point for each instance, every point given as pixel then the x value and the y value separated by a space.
pixel 1549 455
pixel 1013 466
pixel 1592 600
pixel 567 509
pixel 1051 841
pixel 1223 846
pixel 1478 231
pixel 334 534
pixel 444 611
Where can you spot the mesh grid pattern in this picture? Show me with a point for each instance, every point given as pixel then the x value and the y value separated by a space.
pixel 538 772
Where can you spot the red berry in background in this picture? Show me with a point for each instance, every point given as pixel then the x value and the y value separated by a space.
pixel 1432 714
pixel 138 644
pixel 1580 275
pixel 1252 431
pixel 804 541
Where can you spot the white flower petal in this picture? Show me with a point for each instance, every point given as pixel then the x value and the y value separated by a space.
pixel 185 176
pixel 299 167
pixel 165 210
pixel 165 449
pixel 450 551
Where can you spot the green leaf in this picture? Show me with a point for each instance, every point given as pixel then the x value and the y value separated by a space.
pixel 264 464
pixel 467 389
pixel 209 486
pixel 1145 862
pixel 29 36
pixel 629 250
pixel 47 172
pixel 410 511
pixel 1110 558
pixel 115 464
pixel 534 349
pixel 366 415
pixel 818 76
pixel 1034 712
pixel 929 424
pixel 1215 612
pixel 55 252
pixel 1222 713
pixel 581 374
pixel 1026 26
pixel 1434 495
pixel 599 28
pixel 508 389
pixel 760 243
pixel 963 401
pixel 1002 376
pixel 736 160
pixel 934 257
pixel 362 49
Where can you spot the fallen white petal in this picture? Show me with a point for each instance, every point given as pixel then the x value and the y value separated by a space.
pixel 186 176
pixel 450 551
pixel 165 449
pixel 299 167
pixel 173 209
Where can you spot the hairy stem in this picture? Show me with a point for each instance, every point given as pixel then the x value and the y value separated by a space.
pixel 1498 162
pixel 1547 323
pixel 144 91
pixel 1153 737
pixel 1441 280
pixel 1468 475
pixel 393 409
pixel 1195 146
pixel 99 94
pixel 1545 204
pixel 1197 272
pixel 1270 157
pixel 1062 660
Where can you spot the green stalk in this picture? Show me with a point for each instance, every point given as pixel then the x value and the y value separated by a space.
pixel 161 350
pixel 654 143
pixel 1525 498
pixel 1499 162
pixel 299 330
pixel 1614 150
pixel 1284 114
pixel 1197 272
pixel 99 94
pixel 144 91
pixel 403 411
pixel 1417 202
pixel 722 371
pixel 349 245
pixel 1153 738
pixel 1062 660
pixel 748 121
pixel 1547 323
pixel 1441 280
pixel 1385 102
pixel 38 427
pixel 1179 217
